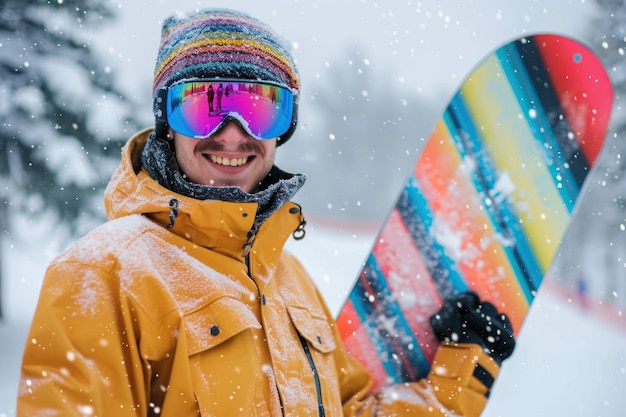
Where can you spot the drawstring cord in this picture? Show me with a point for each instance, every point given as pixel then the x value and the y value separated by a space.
pixel 298 234
pixel 251 236
pixel 173 212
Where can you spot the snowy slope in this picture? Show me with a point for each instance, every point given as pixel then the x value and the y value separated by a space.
pixel 569 362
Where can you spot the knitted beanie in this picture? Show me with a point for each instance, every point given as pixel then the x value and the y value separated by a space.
pixel 223 43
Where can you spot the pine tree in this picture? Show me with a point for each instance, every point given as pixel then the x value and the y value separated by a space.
pixel 594 260
pixel 62 122
pixel 607 36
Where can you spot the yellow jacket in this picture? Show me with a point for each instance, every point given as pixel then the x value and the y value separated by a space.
pixel 138 319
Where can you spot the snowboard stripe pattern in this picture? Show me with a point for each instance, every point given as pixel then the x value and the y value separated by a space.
pixel 510 139
pixel 487 203
pixel 494 189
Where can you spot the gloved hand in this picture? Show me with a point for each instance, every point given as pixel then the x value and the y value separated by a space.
pixel 464 319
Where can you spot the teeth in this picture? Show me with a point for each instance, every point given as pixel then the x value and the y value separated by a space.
pixel 231 162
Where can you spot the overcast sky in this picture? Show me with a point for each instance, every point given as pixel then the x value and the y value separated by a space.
pixel 429 45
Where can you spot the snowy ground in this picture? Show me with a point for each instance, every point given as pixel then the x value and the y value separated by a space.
pixel 569 361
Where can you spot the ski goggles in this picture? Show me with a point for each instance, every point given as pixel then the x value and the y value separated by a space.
pixel 199 108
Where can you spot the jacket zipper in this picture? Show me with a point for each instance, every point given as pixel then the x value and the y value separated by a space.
pixel 246 258
pixel 316 377
pixel 298 234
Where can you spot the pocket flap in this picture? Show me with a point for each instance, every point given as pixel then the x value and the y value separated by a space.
pixel 313 328
pixel 216 322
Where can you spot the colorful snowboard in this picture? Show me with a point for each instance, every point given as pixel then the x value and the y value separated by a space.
pixel 487 203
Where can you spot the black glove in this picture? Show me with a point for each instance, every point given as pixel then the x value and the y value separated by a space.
pixel 464 319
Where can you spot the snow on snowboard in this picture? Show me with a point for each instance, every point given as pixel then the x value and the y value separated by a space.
pixel 487 203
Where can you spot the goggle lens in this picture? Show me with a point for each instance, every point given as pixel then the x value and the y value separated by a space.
pixel 199 108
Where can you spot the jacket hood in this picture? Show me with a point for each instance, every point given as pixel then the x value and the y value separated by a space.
pixel 131 190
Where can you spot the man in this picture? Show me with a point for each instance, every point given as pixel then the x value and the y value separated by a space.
pixel 184 303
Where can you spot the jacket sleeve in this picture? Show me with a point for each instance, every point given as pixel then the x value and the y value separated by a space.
pixel 458 384
pixel 81 355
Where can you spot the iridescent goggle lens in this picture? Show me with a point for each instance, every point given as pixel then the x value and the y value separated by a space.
pixel 199 108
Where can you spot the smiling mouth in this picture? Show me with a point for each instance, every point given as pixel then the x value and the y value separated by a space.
pixel 229 162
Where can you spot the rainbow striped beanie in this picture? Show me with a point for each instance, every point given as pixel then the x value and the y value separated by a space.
pixel 224 43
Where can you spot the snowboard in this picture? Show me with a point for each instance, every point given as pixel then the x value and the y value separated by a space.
pixel 486 204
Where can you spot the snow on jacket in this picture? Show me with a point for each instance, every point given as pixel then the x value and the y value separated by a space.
pixel 138 319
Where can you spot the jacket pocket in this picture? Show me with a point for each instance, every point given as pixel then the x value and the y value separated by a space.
pixel 313 327
pixel 217 322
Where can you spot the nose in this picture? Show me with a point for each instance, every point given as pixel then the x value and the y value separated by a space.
pixel 231 132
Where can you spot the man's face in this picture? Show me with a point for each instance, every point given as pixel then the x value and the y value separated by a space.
pixel 230 157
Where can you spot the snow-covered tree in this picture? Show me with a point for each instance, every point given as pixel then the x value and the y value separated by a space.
pixel 607 35
pixel 593 257
pixel 62 122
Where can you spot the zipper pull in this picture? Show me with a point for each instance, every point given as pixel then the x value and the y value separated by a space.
pixel 299 233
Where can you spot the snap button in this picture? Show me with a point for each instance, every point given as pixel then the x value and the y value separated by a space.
pixel 294 210
pixel 215 330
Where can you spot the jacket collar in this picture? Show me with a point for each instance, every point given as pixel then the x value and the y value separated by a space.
pixel 277 187
pixel 225 227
